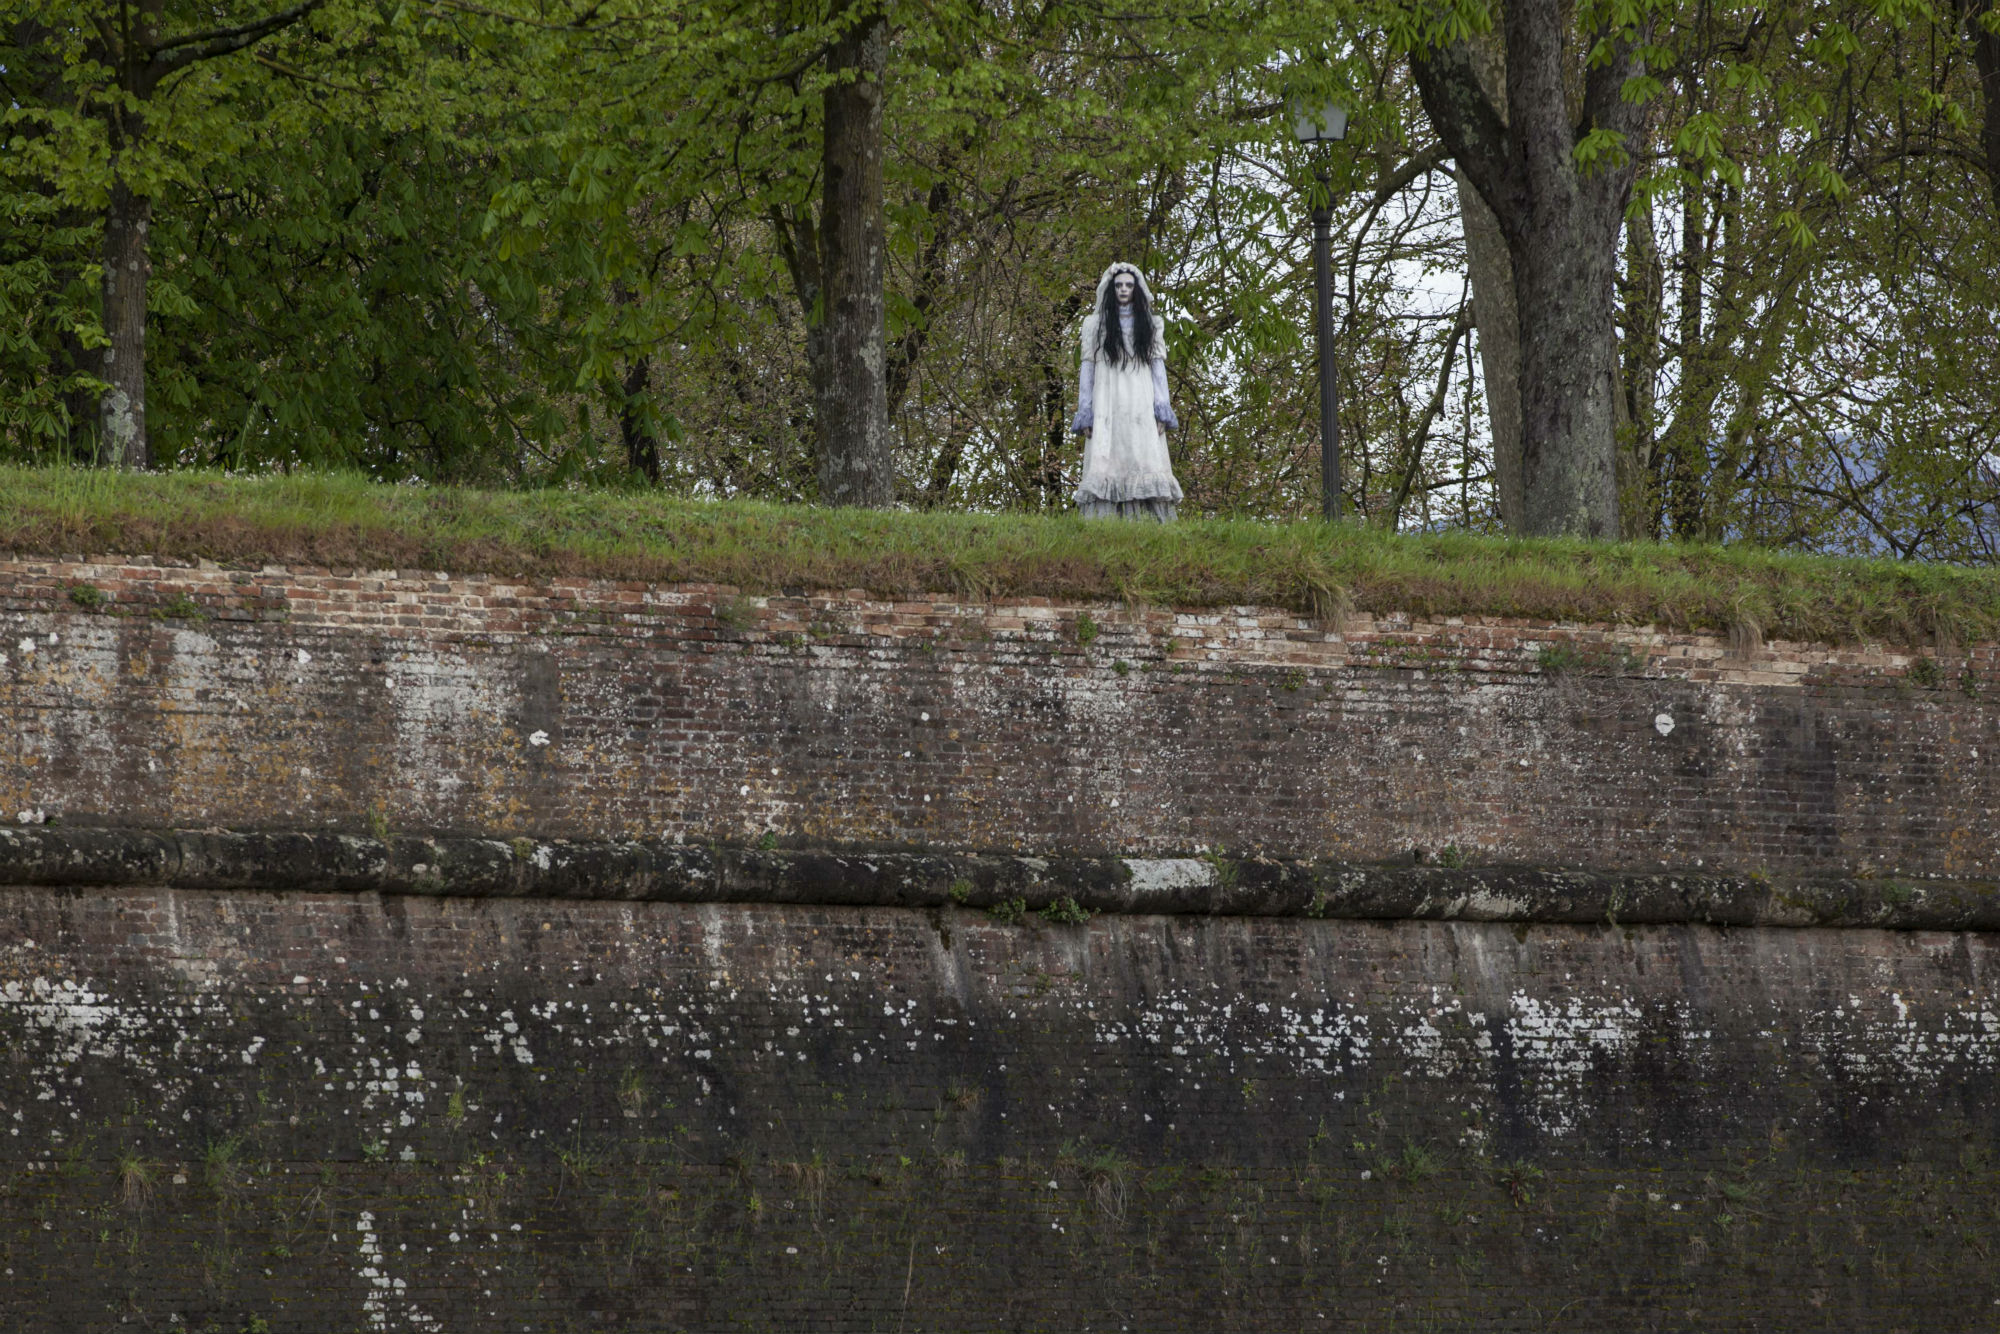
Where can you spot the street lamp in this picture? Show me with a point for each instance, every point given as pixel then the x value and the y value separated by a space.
pixel 1323 124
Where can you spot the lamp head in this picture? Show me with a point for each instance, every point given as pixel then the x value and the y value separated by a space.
pixel 1320 122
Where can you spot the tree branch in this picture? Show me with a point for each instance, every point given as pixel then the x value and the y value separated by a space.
pixel 1604 101
pixel 930 275
pixel 1461 325
pixel 581 21
pixel 166 57
pixel 301 76
pixel 1473 133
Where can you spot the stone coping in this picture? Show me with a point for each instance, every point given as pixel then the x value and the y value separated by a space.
pixel 1011 886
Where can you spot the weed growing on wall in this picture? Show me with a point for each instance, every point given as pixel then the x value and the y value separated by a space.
pixel 136 1177
pixel 1066 911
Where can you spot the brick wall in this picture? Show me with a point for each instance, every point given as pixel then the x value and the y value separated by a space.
pixel 296 1038
pixel 303 699
pixel 334 1112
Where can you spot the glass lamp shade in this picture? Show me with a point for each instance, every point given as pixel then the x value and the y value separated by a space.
pixel 1318 123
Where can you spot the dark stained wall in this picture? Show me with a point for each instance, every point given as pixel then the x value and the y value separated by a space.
pixel 250 1104
pixel 348 1112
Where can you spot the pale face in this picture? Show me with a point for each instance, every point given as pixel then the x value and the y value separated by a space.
pixel 1124 285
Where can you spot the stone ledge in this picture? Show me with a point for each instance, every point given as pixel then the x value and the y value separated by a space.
pixel 446 866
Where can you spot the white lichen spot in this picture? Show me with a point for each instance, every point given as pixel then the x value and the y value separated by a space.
pixel 538 738
pixel 1557 1046
pixel 1663 723
pixel 383 1289
pixel 1164 875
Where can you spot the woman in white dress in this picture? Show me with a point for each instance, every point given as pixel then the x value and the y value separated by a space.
pixel 1122 410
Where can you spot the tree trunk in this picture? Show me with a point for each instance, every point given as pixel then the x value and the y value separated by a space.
pixel 1492 275
pixel 1637 391
pixel 1986 58
pixel 1493 316
pixel 642 442
pixel 856 466
pixel 1687 450
pixel 121 435
pixel 142 61
pixel 1568 437
pixel 1561 226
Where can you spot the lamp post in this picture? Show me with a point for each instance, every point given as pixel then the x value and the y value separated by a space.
pixel 1323 124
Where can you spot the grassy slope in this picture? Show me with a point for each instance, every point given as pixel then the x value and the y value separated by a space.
pixel 345 522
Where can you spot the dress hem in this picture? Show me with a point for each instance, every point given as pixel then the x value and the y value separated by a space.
pixel 1147 486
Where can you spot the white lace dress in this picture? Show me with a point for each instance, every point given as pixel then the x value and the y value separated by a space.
pixel 1126 471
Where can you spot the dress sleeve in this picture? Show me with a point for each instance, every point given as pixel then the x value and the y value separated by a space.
pixel 1086 377
pixel 1163 411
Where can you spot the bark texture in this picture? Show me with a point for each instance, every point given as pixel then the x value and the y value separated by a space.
pixel 856 466
pixel 121 427
pixel 1493 316
pixel 1561 225
pixel 1638 443
pixel 1986 57
pixel 1687 445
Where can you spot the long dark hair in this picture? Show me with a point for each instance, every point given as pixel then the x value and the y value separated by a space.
pixel 1113 334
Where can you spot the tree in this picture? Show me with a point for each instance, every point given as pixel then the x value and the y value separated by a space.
pixel 1982 27
pixel 1491 275
pixel 852 419
pixel 1558 184
pixel 120 59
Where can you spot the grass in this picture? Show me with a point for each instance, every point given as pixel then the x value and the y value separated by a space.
pixel 344 522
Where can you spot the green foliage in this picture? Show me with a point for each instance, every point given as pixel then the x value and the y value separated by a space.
pixel 536 246
pixel 1066 911
pixel 89 597
pixel 1420 1162
pixel 1009 912
pixel 1519 1180
pixel 1559 658
pixel 137 1177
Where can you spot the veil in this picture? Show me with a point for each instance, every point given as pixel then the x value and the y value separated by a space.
pixel 1104 285
pixel 1158 332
